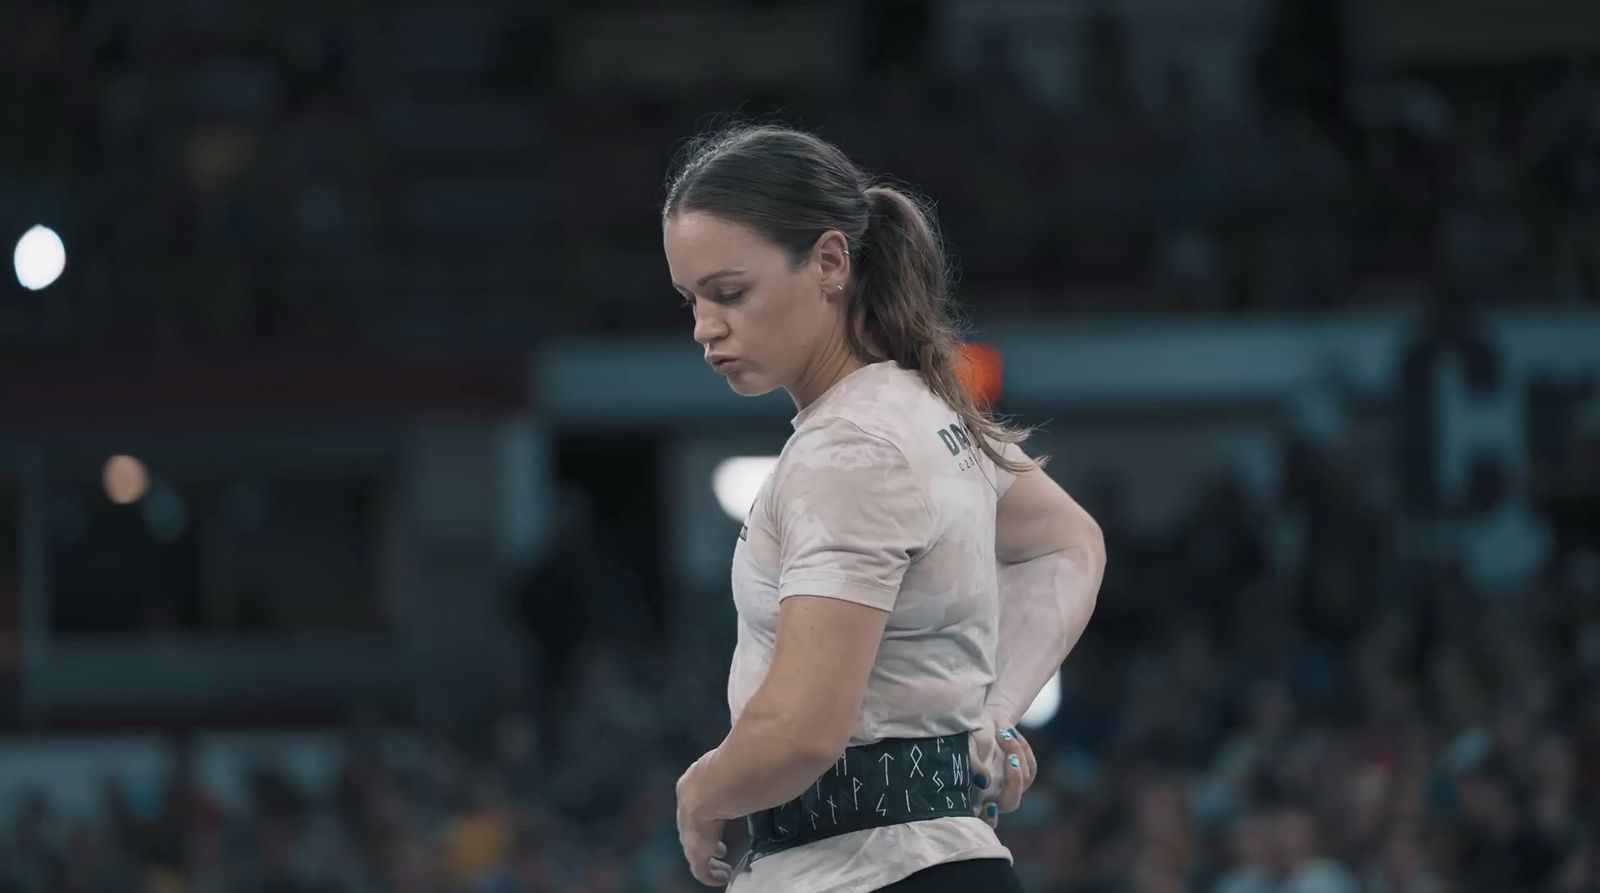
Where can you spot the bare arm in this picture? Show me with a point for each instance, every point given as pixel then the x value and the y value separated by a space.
pixel 1051 558
pixel 800 719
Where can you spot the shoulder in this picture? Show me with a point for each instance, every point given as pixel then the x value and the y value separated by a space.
pixel 842 441
pixel 893 407
pixel 843 460
pixel 839 479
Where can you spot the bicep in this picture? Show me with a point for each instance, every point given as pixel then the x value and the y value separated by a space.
pixel 1036 517
pixel 820 666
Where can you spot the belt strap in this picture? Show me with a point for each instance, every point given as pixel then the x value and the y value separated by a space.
pixel 889 782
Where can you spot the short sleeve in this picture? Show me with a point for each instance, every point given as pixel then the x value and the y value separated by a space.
pixel 851 514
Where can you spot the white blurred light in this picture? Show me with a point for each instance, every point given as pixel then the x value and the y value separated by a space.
pixel 126 480
pixel 40 257
pixel 1044 707
pixel 737 480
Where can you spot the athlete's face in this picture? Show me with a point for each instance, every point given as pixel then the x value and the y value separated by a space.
pixel 758 316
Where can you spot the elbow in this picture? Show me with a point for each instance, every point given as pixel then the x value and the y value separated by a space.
pixel 818 755
pixel 818 744
pixel 818 736
pixel 1088 542
pixel 1097 540
pixel 808 741
pixel 1089 532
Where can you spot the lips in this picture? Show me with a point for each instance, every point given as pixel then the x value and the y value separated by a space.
pixel 721 363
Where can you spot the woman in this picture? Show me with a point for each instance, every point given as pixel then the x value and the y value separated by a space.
pixel 907 579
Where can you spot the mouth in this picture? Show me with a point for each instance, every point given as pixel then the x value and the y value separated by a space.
pixel 724 364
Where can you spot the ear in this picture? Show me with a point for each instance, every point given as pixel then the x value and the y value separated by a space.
pixel 831 255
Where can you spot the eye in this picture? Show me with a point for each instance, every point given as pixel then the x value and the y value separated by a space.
pixel 729 297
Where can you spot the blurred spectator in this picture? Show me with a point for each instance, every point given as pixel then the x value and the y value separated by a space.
pixel 1504 543
pixel 1500 847
pixel 1252 845
pixel 1304 866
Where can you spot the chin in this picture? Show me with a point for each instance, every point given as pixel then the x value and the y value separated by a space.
pixel 748 385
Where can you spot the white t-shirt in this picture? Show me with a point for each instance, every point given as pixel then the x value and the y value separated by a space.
pixel 879 498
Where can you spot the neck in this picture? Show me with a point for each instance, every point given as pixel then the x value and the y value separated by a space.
pixel 829 368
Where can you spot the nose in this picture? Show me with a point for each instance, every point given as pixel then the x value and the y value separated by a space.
pixel 709 327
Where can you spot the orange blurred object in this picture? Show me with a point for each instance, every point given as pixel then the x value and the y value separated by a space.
pixel 475 844
pixel 979 369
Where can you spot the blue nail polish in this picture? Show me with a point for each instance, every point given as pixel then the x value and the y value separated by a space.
pixel 1007 734
pixel 993 810
pixel 979 779
pixel 1014 762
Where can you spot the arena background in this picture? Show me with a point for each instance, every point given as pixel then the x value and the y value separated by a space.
pixel 366 509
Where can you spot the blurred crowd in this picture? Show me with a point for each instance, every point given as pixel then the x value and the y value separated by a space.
pixel 1280 692
pixel 1283 698
pixel 238 174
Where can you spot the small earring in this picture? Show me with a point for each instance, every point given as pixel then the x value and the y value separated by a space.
pixel 839 287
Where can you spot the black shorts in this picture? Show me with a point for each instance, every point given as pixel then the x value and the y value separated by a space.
pixel 967 876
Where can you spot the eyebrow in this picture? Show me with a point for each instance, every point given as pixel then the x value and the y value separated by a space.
pixel 708 278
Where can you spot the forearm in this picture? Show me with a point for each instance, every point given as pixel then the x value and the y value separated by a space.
pixel 1045 604
pixel 762 763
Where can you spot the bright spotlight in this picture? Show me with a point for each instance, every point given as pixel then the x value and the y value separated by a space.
pixel 737 480
pixel 126 480
pixel 1044 707
pixel 40 257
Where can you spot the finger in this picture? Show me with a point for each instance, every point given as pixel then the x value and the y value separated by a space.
pixel 984 792
pixel 722 851
pixel 1013 781
pixel 990 813
pixel 1014 784
pixel 708 875
pixel 1023 751
pixel 1029 763
pixel 984 761
pixel 1017 747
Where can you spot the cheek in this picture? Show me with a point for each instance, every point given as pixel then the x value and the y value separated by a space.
pixel 772 325
pixel 794 320
pixel 776 331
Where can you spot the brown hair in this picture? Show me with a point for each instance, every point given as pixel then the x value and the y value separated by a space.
pixel 791 187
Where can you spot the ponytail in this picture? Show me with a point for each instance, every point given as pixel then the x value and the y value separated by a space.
pixel 903 305
pixel 791 187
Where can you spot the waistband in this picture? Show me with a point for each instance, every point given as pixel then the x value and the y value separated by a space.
pixel 888 782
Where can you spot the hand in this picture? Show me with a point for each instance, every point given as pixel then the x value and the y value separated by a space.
pixel 701 837
pixel 998 751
